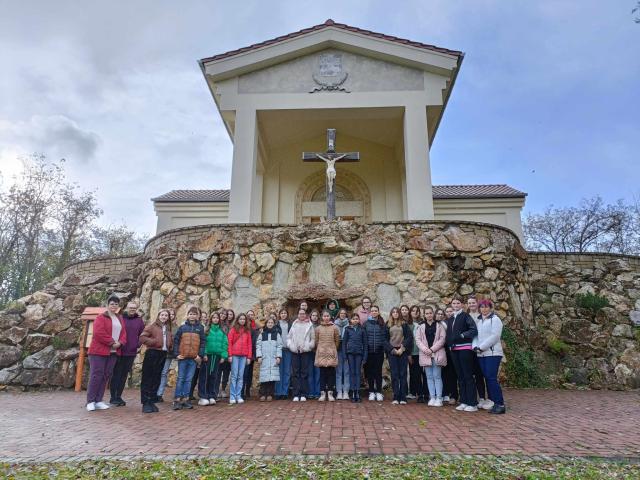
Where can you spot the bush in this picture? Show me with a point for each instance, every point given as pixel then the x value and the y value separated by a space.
pixel 15 307
pixel 522 370
pixel 558 347
pixel 95 299
pixel 61 344
pixel 591 301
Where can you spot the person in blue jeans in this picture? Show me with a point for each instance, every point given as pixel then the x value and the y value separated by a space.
pixel 188 347
pixel 488 347
pixel 282 386
pixel 342 370
pixel 354 348
pixel 314 372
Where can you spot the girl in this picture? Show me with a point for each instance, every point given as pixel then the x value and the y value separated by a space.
pixel 334 308
pixel 481 385
pixel 168 361
pixel 217 351
pixel 240 350
pixel 300 341
pixel 109 335
pixel 354 347
pixel 449 377
pixel 248 369
pixel 269 355
pixel 364 310
pixel 488 347
pixel 417 382
pixel 327 341
pixel 375 333
pixel 202 369
pixel 314 372
pixel 304 305
pixel 226 319
pixel 188 347
pixel 398 344
pixel 342 370
pixel 282 386
pixel 430 341
pixel 158 339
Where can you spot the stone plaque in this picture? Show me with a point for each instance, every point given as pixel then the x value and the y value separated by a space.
pixel 328 73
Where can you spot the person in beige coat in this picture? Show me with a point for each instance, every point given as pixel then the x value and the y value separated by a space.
pixel 327 342
pixel 430 338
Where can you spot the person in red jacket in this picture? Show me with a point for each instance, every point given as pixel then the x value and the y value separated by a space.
pixel 240 354
pixel 109 334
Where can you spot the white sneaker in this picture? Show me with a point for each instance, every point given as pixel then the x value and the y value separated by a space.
pixel 395 402
pixel 296 399
pixel 452 401
pixel 232 401
pixel 91 406
pixel 437 402
pixel 469 408
pixel 487 404
pixel 411 397
pixel 402 402
pixel 431 402
pixel 379 397
pixel 372 397
pixel 461 407
pixel 331 398
pixel 101 406
pixel 240 400
pixel 303 399
pixel 212 401
pixel 445 398
pixel 203 401
pixel 323 397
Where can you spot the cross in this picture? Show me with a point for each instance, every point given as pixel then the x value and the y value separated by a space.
pixel 330 157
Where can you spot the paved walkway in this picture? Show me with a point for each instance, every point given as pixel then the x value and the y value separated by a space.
pixel 55 426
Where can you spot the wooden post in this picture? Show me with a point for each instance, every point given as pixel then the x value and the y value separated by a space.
pixel 81 357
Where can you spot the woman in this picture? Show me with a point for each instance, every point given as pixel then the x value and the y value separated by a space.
pixel 282 386
pixel 364 310
pixel 314 372
pixel 488 347
pixel 417 383
pixel 158 339
pixel 398 344
pixel 167 362
pixel 430 340
pixel 108 337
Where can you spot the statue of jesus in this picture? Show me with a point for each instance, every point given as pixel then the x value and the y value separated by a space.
pixel 331 168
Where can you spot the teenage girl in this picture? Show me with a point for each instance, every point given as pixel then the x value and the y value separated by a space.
pixel 375 333
pixel 217 351
pixel 398 344
pixel 240 351
pixel 342 370
pixel 417 381
pixel 327 341
pixel 354 346
pixel 282 386
pixel 314 372
pixel 430 340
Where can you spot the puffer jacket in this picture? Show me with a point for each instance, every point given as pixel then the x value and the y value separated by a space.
pixel 190 340
pixel 240 343
pixel 152 337
pixel 269 348
pixel 375 334
pixel 460 331
pixel 438 352
pixel 217 343
pixel 301 337
pixel 354 342
pixel 489 334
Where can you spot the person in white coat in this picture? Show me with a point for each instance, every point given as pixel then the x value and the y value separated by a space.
pixel 301 341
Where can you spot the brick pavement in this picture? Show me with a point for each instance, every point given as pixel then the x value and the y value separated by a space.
pixel 55 426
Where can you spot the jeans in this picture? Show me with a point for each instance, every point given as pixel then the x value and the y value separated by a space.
pixel 449 378
pixel 100 371
pixel 490 366
pixel 119 377
pixel 300 366
pixel 434 379
pixel 463 363
pixel 237 376
pixel 151 371
pixel 186 370
pixel 479 377
pixel 355 364
pixel 398 365
pixel 327 379
pixel 417 380
pixel 282 386
pixel 342 373
pixel 247 380
pixel 164 375
pixel 373 371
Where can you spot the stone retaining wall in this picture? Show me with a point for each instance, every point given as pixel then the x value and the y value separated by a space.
pixel 101 266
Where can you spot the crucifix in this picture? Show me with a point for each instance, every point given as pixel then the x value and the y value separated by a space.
pixel 330 157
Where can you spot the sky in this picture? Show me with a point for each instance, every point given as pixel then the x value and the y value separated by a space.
pixel 547 100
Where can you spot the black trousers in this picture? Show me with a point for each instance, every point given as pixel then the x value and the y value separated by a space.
pixel 373 371
pixel 120 374
pixel 151 372
pixel 479 377
pixel 398 366
pixel 463 363
pixel 214 372
pixel 327 379
pixel 417 380
pixel 300 364
pixel 225 371
pixel 267 389
pixel 247 381
pixel 449 378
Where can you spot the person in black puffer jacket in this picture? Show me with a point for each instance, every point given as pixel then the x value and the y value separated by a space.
pixel 354 349
pixel 376 336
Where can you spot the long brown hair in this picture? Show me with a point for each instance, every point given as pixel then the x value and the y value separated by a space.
pixel 167 323
pixel 392 322
pixel 244 327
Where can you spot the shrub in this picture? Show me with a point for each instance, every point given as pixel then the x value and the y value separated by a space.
pixel 60 343
pixel 591 301
pixel 95 299
pixel 15 307
pixel 522 370
pixel 558 347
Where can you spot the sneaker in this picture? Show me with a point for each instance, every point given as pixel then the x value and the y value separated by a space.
pixel 379 397
pixel 470 408
pixel 187 405
pixel 120 403
pixel 146 408
pixel 232 401
pixel 372 397
pixel 101 406
pixel 461 407
pixel 91 406
pixel 411 396
pixel 452 401
pixel 498 409
pixel 323 397
pixel 176 405
pixel 212 401
pixel 203 401
pixel 339 396
pixel 431 402
pixel 303 399
pixel 486 405
pixel 223 394
pixel 262 398
pixel 331 398
pixel 402 402
pixel 269 398
pixel 154 408
pixel 296 399
pixel 445 398
pixel 241 400
pixel 421 400
pixel 395 402
pixel 437 402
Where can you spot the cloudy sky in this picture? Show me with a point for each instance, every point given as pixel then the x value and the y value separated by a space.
pixel 548 99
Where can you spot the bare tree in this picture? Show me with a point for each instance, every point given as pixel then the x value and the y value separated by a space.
pixel 116 240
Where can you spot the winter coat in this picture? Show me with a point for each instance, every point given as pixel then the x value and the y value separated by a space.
pixel 376 336
pixel 354 342
pixel 415 325
pixel 460 331
pixel 342 325
pixel 489 333
pixel 283 327
pixel 189 340
pixel 269 348
pixel 134 326
pixel 407 340
pixel 240 343
pixel 301 337
pixel 152 337
pixel 101 340
pixel 438 351
pixel 327 341
pixel 217 343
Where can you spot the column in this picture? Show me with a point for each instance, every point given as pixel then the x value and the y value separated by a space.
pixel 243 171
pixel 419 196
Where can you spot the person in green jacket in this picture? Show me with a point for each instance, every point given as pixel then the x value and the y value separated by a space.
pixel 216 350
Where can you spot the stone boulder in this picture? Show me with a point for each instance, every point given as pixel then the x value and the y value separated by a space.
pixel 9 355
pixel 8 374
pixel 37 341
pixel 14 335
pixel 42 359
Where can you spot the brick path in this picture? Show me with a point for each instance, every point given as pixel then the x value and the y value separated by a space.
pixel 55 426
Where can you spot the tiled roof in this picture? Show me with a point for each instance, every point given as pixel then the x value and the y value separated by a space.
pixel 439 192
pixel 331 23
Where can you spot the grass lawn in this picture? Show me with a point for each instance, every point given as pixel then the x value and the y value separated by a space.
pixel 431 467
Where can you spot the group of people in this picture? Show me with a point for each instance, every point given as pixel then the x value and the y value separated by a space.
pixel 436 356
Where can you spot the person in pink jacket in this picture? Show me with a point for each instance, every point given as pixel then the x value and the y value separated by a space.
pixel 430 338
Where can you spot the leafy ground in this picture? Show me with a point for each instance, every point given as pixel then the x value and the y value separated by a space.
pixel 432 467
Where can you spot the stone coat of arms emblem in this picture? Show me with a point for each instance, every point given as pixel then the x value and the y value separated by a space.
pixel 328 73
